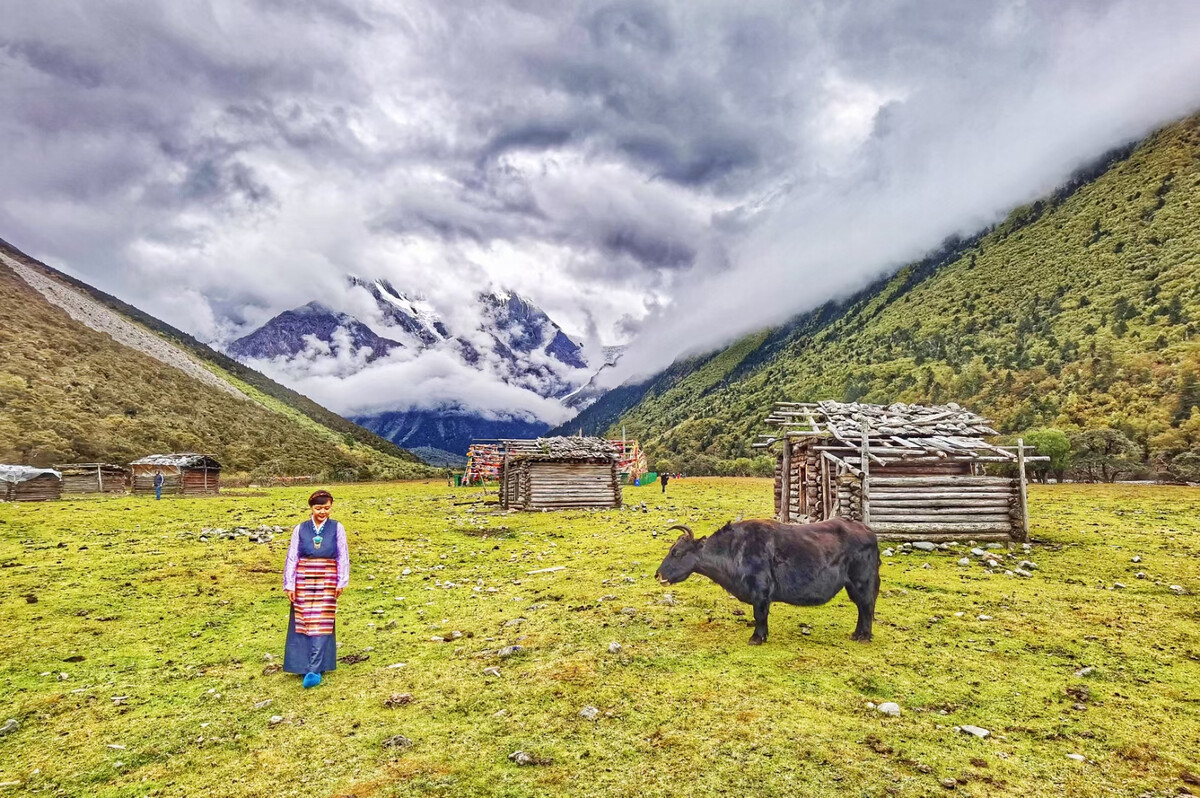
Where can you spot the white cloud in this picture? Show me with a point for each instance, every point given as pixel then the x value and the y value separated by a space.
pixel 671 174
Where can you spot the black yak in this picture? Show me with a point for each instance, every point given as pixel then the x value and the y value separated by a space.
pixel 760 561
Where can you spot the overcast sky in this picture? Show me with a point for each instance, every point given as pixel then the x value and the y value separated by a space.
pixel 667 175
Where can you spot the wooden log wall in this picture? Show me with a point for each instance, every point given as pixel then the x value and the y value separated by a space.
pixel 39 489
pixel 91 480
pixel 143 479
pixel 556 485
pixel 945 507
pixel 200 482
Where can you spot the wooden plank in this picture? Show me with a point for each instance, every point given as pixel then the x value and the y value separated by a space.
pixel 939 537
pixel 1024 528
pixel 882 502
pixel 948 481
pixel 941 528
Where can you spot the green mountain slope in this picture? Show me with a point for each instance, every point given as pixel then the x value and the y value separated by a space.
pixel 1079 312
pixel 70 393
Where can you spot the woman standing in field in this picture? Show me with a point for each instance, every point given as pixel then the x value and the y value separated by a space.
pixel 315 574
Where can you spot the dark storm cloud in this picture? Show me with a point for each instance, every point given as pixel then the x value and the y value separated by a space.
pixel 615 162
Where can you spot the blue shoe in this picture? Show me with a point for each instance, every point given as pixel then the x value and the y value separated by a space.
pixel 311 679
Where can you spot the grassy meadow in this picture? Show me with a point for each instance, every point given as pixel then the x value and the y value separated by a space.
pixel 103 598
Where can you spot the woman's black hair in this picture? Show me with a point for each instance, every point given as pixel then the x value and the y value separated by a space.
pixel 320 497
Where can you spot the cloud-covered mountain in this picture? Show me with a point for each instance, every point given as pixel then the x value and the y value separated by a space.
pixel 503 340
pixel 294 331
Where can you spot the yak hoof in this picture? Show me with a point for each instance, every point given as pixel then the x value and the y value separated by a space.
pixel 861 637
pixel 757 641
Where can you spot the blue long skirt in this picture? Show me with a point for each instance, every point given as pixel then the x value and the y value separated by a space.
pixel 308 654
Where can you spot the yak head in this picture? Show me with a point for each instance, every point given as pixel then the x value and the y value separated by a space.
pixel 681 560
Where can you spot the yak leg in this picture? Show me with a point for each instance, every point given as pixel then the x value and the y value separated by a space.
pixel 760 623
pixel 863 589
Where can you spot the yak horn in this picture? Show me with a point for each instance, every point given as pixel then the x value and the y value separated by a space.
pixel 687 532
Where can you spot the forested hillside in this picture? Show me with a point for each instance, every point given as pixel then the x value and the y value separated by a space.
pixel 1078 313
pixel 69 393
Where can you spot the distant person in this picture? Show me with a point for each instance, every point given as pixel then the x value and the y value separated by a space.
pixel 159 479
pixel 664 478
pixel 315 573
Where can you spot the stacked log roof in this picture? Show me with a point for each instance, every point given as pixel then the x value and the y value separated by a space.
pixel 560 448
pixel 179 460
pixel 895 433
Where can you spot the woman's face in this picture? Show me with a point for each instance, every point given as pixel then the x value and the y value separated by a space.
pixel 321 511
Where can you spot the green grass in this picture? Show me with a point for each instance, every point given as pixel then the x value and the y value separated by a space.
pixel 180 627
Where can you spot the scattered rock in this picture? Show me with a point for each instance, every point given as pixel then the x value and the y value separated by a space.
pixel 1028 565
pixel 890 708
pixel 1027 574
pixel 1085 671
pixel 1177 589
pixel 981 733
pixel 10 726
pixel 589 713
pixel 62 677
pixel 667 600
pixel 399 741
pixel 924 545
pixel 614 647
pixel 1136 559
pixel 1120 585
pixel 493 671
pixel 276 720
pixel 1077 757
pixel 500 713
pixel 509 651
pixel 984 617
pixel 261 704
pixel 926 566
pixel 630 611
pixel 398 700
pixel 514 622
pixel 268 657
pixel 395 666
pixel 805 629
pixel 965 561
pixel 888 553
pixel 978 552
pixel 1140 575
pixel 524 759
pixel 949 784
pixel 994 546
pixel 119 700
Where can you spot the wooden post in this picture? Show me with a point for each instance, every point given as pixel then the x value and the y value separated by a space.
pixel 866 472
pixel 785 476
pixel 1024 531
pixel 99 479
